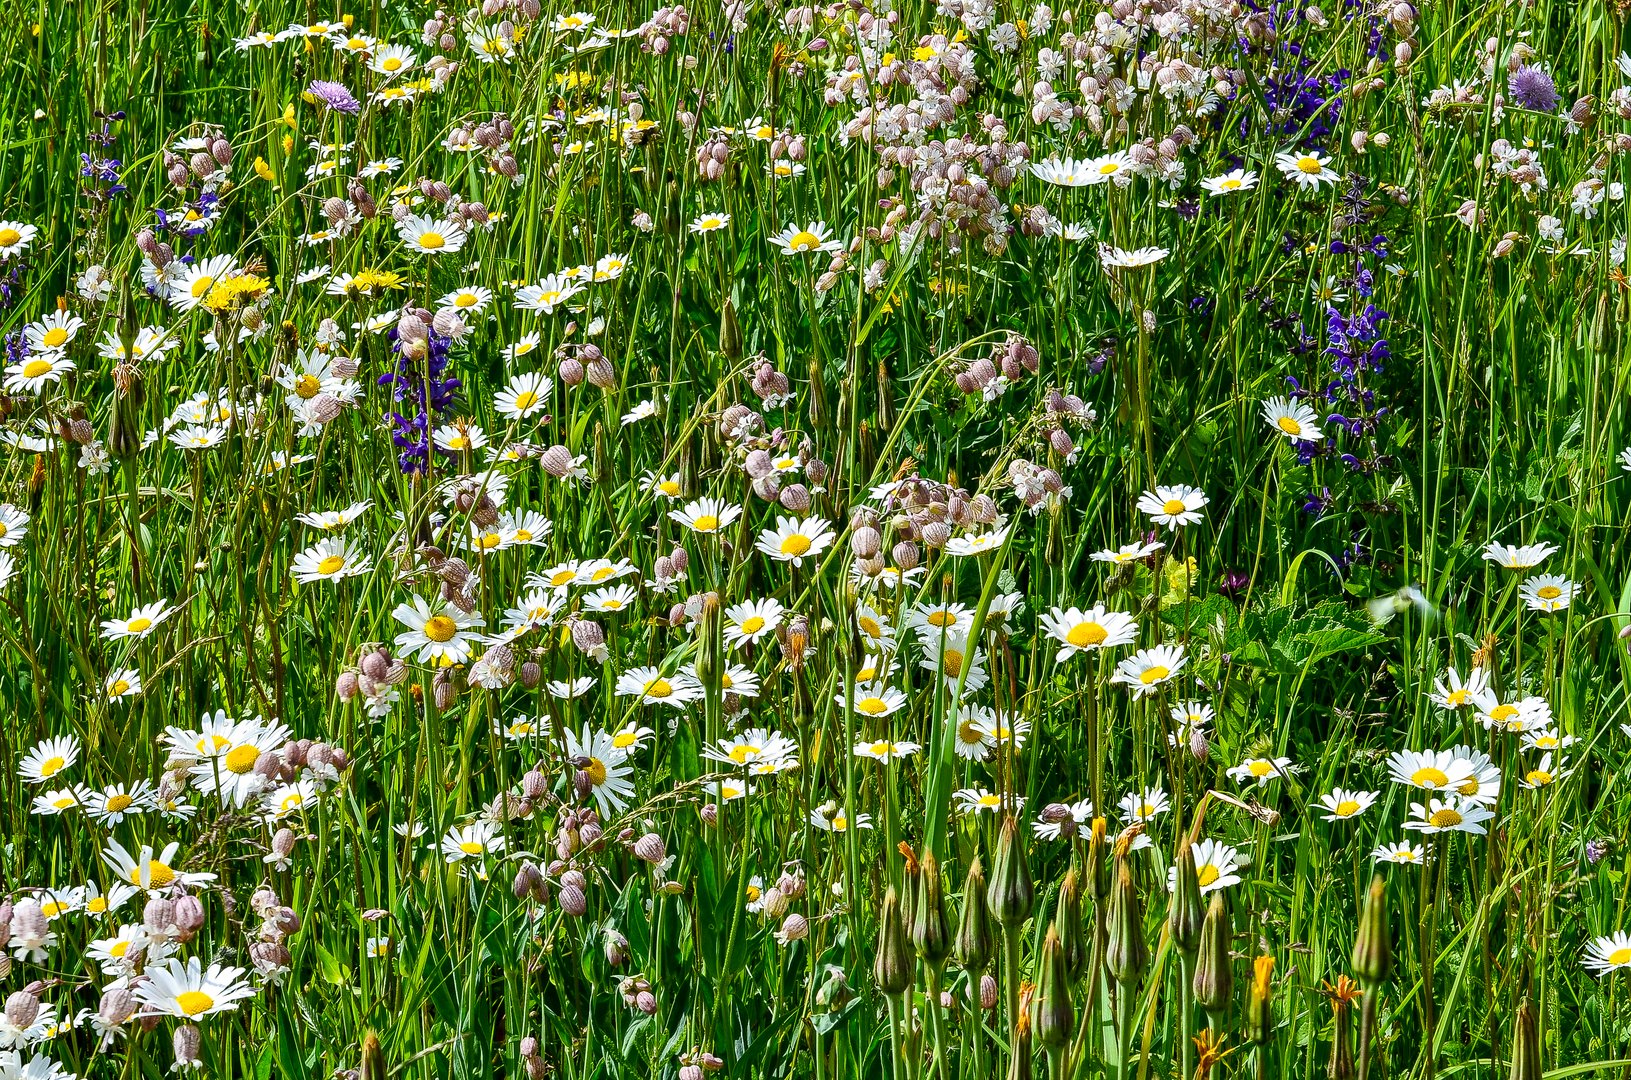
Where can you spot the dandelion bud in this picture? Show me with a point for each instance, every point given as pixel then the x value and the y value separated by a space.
pixel 221 151
pixel 325 408
pixel 976 941
pixel 1373 946
pixel 646 1002
pixel 534 785
pixel 1067 919
pixel 892 962
pixel 815 470
pixel 983 509
pixel 988 991
pixel 1010 894
pixel 412 328
pixel 270 957
pixel 1128 954
pixel 531 675
pixel 1054 1018
pixel 187 1043
pixel 556 461
pixel 1061 442
pixel 930 932
pixel 650 848
pixel 758 463
pixel 1187 912
pixel 22 1008
pixel 573 901
pixel 177 174
pixel 1214 981
pixel 905 555
pixel 449 323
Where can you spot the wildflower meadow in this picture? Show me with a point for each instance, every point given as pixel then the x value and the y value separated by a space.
pixel 879 538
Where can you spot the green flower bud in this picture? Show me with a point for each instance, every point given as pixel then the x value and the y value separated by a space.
pixel 1373 946
pixel 930 934
pixel 1019 1064
pixel 730 334
pixel 1055 1019
pixel 1128 954
pixel 1098 859
pixel 1187 910
pixel 892 966
pixel 1067 919
pixel 1010 895
pixel 976 940
pixel 1214 973
pixel 1525 1044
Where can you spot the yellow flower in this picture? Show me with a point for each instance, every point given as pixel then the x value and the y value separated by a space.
pixel 263 170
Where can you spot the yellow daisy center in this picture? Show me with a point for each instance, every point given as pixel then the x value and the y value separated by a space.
pixel 1503 712
pixel 139 624
pixel 524 399
pixel 1548 592
pixel 941 619
pixel 1086 635
pixel 118 949
pixel 705 523
pixel 432 240
pixel 1208 874
pixel 241 759
pixel 331 564
pixel 194 1002
pixel 440 628
pixel 117 804
pixel 1445 818
pixel 391 63
pixel 803 240
pixel 796 545
pixel 1538 777
pixel 1173 506
pixel 203 285
pixel 120 686
pixel 307 386
pixel 35 368
pixel 952 663
pixel 158 874
pixel 659 688
pixel 51 766
pixel 470 847
pixel 596 770
pixel 9 237
pixel 752 624
pixel 1261 768
pixel 1289 425
pixel 1153 674
pixel 1429 777
pixel 1620 956
pixel 1309 164
pixel 872 706
pixel 1347 808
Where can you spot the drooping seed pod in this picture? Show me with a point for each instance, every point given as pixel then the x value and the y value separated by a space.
pixel 892 961
pixel 1010 894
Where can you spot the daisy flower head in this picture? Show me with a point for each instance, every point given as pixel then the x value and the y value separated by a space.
pixel 1404 853
pixel 708 223
pixel 139 623
pixel 602 764
pixel 392 60
pixel 1149 669
pixel 1127 553
pixel 154 873
pixel 13 525
pixel 471 299
pixel 191 991
pixel 1065 172
pixel 549 294
pixel 472 842
pixel 1482 784
pixel 112 804
pixel 1293 419
pixel 1547 592
pixel 1518 557
pixel 949 657
pixel 885 750
pixel 334 520
pixel 1545 773
pixel 706 515
pixel 1087 631
pixel 830 817
pixel 47 759
pixel 1308 170
pixel 985 801
pixel 37 371
pixel 60 800
pixel 15 237
pixel 1342 804
pixel 1452 814
pixel 430 236
pixel 814 237
pixel 1230 182
pixel 651 687
pixel 331 559
pixel 795 539
pixel 875 699
pixel 1430 770
pixel 1115 258
pixel 1173 507
pixel 1608 954
pixel 522 346
pixel 1061 819
pixel 751 747
pixel 1216 864
pixel 439 632
pixel 1515 717
pixel 1144 806
pixel 727 789
pixel 1260 770
pixel 751 621
pixel 1451 692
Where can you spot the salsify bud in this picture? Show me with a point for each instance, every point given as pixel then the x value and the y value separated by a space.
pixel 1187 911
pixel 892 963
pixel 1214 981
pixel 1373 945
pixel 373 1059
pixel 1127 954
pixel 1054 1017
pixel 1098 859
pixel 930 932
pixel 1260 1007
pixel 1067 920
pixel 1019 1064
pixel 976 941
pixel 1526 1063
pixel 1010 894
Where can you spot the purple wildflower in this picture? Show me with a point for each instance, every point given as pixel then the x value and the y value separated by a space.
pixel 334 95
pixel 1533 89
